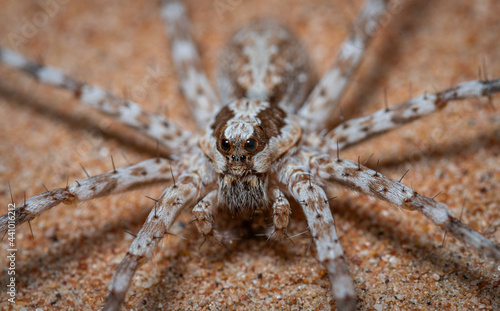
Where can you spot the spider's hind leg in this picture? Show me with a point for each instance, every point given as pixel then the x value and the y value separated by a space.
pixel 194 82
pixel 155 126
pixel 323 100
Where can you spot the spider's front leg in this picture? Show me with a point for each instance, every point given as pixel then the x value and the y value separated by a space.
pixel 355 176
pixel 115 181
pixel 171 203
pixel 311 197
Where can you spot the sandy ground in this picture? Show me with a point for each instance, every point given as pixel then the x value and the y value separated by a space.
pixel 397 258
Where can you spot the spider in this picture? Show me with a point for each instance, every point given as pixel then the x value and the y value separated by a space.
pixel 243 299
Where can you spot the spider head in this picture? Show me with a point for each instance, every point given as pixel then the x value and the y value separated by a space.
pixel 238 142
pixel 243 171
pixel 243 148
pixel 247 136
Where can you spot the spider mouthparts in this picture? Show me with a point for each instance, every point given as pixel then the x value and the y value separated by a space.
pixel 243 191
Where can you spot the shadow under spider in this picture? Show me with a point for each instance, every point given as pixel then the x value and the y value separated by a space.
pixel 401 239
pixel 66 251
pixel 451 149
pixel 118 132
pixel 363 89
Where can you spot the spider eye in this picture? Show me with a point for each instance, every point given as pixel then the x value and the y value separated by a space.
pixel 225 145
pixel 250 144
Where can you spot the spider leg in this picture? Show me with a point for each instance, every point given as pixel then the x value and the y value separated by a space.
pixel 356 130
pixel 203 214
pixel 115 181
pixel 281 215
pixel 355 176
pixel 125 111
pixel 314 203
pixel 169 206
pixel 324 98
pixel 199 93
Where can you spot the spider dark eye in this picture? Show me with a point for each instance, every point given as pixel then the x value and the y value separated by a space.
pixel 250 144
pixel 225 145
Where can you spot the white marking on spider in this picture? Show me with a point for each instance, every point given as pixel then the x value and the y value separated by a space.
pixel 184 50
pixel 51 76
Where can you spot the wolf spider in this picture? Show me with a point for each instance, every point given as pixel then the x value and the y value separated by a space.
pixel 354 175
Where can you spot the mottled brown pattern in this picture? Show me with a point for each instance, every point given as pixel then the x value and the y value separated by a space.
pixel 272 120
pixel 143 119
pixel 109 183
pixel 137 171
pixel 281 216
pixel 221 119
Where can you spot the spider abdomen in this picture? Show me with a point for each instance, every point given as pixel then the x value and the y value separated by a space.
pixel 264 61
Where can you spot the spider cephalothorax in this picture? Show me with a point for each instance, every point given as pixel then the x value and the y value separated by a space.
pixel 252 131
pixel 242 143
